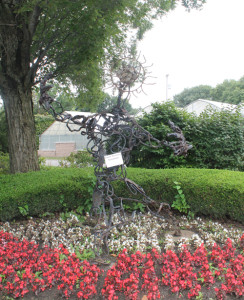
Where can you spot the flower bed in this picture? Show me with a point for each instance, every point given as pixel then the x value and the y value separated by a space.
pixel 25 268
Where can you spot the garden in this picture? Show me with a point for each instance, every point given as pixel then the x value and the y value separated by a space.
pixel 192 247
pixel 193 251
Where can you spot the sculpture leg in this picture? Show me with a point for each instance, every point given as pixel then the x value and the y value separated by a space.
pixel 135 189
pixel 97 199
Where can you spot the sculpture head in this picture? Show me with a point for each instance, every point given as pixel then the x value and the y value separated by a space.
pixel 127 75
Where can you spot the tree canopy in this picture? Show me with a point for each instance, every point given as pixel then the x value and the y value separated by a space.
pixel 69 39
pixel 229 91
pixel 111 101
pixel 192 94
pixel 72 38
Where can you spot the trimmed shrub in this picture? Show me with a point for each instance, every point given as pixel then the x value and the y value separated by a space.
pixel 45 191
pixel 214 193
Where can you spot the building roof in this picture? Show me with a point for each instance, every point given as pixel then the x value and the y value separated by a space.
pixel 199 105
pixel 60 128
pixel 144 110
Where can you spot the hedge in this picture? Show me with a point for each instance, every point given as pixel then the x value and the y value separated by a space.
pixel 209 192
pixel 214 193
pixel 44 191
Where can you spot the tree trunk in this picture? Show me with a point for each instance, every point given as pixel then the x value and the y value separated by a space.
pixel 16 81
pixel 21 128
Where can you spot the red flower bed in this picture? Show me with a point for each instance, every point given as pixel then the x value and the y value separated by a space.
pixel 24 268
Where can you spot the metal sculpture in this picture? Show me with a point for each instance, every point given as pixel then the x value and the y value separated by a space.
pixel 112 135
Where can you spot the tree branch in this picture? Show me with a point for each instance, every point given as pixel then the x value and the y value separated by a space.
pixel 34 19
pixel 43 52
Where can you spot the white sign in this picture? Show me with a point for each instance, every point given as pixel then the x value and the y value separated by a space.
pixel 113 160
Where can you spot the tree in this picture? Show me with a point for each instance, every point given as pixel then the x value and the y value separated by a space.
pixel 3 132
pixel 230 91
pixel 110 102
pixel 191 94
pixel 62 94
pixel 68 39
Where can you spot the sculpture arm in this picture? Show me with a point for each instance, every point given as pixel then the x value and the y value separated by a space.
pixel 179 147
pixel 55 108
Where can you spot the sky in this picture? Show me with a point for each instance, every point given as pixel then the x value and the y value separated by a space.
pixel 197 48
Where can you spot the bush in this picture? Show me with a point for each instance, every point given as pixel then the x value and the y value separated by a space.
pixel 157 124
pixel 215 193
pixel 81 159
pixel 45 191
pixel 217 139
pixel 5 167
pixel 4 163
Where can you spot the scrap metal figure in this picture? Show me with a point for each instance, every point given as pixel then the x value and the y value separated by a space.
pixel 112 136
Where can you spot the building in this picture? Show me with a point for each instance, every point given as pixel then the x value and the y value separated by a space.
pixel 200 105
pixel 59 141
pixel 145 110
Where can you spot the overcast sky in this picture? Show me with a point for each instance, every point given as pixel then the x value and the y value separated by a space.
pixel 200 47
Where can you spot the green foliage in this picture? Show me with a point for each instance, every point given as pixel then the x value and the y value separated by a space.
pixel 24 210
pixel 62 202
pixel 72 38
pixel 85 254
pixel 47 191
pixel 133 205
pixel 215 193
pixel 217 139
pixel 42 162
pixel 4 163
pixel 157 124
pixel 230 91
pixel 78 54
pixel 81 159
pixel 191 94
pixel 180 201
pixel 109 102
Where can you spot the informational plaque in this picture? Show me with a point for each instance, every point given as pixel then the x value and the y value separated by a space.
pixel 113 160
